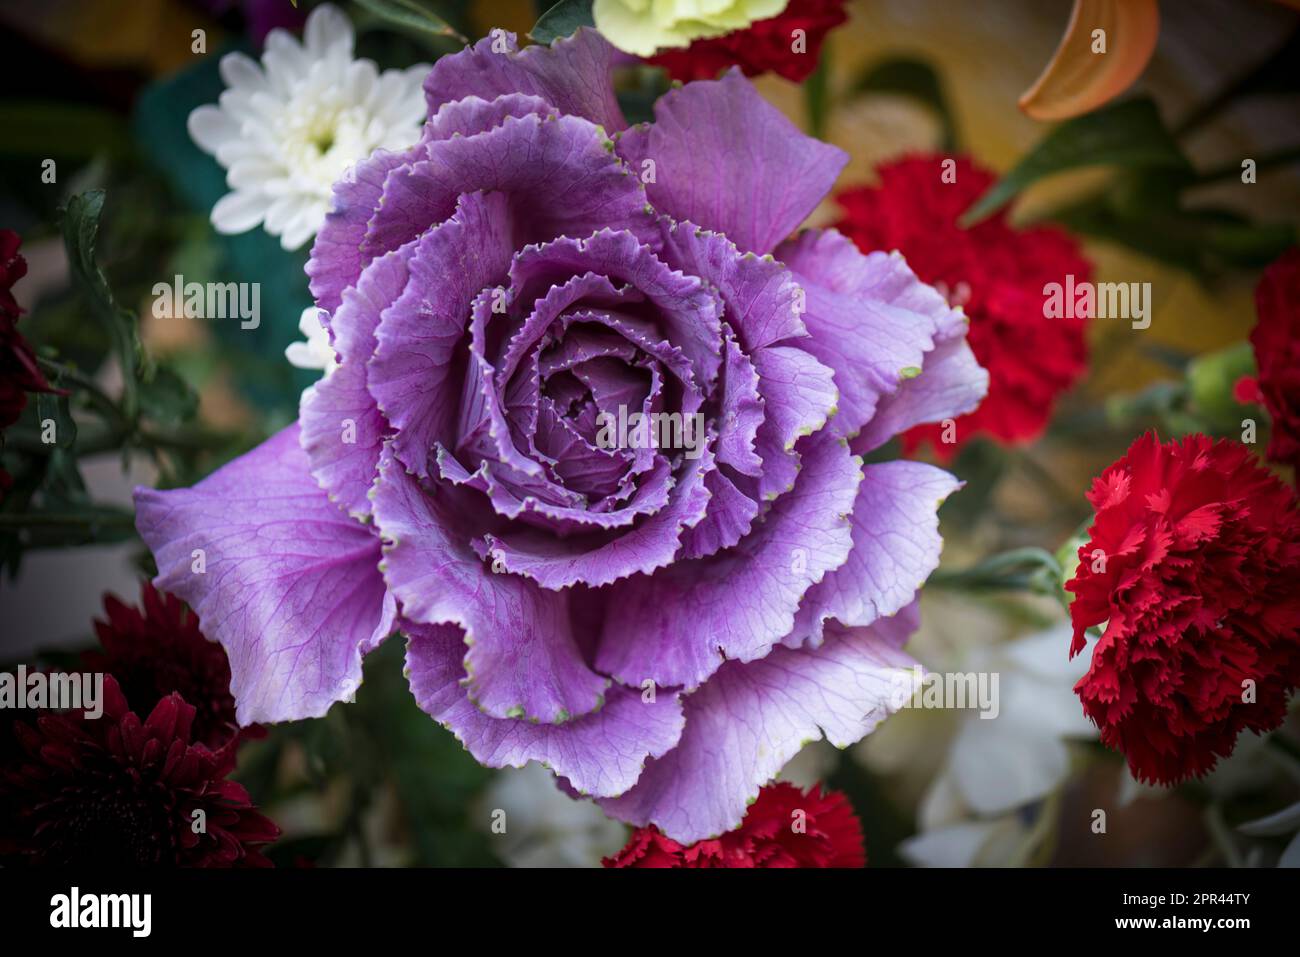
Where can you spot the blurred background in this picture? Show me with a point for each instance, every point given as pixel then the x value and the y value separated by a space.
pixel 103 88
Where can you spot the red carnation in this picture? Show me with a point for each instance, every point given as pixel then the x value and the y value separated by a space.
pixel 783 828
pixel 1276 338
pixel 158 651
pixel 19 373
pixel 766 46
pixel 1192 563
pixel 114 792
pixel 995 273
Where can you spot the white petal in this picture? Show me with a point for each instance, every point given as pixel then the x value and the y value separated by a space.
pixel 286 64
pixel 1047 653
pixel 268 108
pixel 237 103
pixel 211 128
pixel 297 231
pixel 302 218
pixel 996 772
pixel 302 356
pixel 361 79
pixel 238 212
pixel 240 71
pixel 941 806
pixel 950 847
pixel 1046 708
pixel 281 211
pixel 326 26
pixel 252 172
pixel 309 323
pixel 234 152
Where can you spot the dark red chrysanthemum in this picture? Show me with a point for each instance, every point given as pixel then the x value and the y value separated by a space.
pixel 766 46
pixel 1276 339
pixel 19 373
pixel 997 274
pixel 159 650
pixel 114 791
pixel 783 828
pixel 1192 562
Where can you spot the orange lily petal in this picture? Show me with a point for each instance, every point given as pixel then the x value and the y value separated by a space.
pixel 1077 79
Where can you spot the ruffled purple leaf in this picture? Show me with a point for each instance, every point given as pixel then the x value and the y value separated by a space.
pixel 559 174
pixel 896 545
pixel 676 627
pixel 726 159
pixel 753 717
pixel 342 427
pixel 600 754
pixel 522 659
pixel 574 74
pixel 876 325
pixel 287 583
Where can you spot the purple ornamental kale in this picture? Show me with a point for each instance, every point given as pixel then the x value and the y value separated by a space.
pixel 664 628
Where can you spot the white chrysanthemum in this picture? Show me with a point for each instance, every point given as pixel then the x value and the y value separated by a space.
pixel 288 129
pixel 316 352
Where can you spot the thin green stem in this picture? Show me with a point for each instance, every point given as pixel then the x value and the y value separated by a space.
pixel 816 94
pixel 100 400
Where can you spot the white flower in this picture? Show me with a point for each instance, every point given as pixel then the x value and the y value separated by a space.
pixel 643 26
pixel 316 352
pixel 288 129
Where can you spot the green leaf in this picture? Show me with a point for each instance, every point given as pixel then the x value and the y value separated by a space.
pixel 1067 556
pixel 1202 241
pixel 75 525
pixel 562 20
pixel 912 78
pixel 1161 404
pixel 434 778
pixel 1210 380
pixel 1128 134
pixel 168 399
pixel 411 15
pixel 80 229
pixel 1031 568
